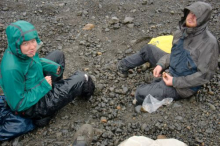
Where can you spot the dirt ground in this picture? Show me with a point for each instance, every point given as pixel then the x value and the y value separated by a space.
pixel 122 27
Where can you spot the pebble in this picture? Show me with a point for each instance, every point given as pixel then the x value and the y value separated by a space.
pixel 103 120
pixel 138 109
pixel 114 20
pixel 143 127
pixel 128 20
pixel 5 9
pixel 161 137
pixel 88 26
pixel 211 106
pixel 116 26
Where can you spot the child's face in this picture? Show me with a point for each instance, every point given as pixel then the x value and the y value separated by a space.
pixel 29 48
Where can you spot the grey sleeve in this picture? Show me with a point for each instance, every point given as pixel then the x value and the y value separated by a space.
pixel 206 66
pixel 164 61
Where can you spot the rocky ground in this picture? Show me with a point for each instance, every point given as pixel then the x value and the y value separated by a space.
pixel 121 27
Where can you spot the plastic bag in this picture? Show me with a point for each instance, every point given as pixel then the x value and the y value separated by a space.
pixel 12 125
pixel 151 104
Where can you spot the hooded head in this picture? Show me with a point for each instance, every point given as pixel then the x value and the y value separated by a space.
pixel 202 12
pixel 19 32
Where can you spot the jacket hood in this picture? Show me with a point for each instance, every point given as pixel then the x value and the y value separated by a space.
pixel 202 11
pixel 19 32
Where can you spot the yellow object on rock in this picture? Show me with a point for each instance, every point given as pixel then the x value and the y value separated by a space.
pixel 163 42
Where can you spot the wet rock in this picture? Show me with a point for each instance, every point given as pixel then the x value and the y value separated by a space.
pixel 85 12
pixel 150 2
pixel 138 109
pixel 60 47
pixel 172 12
pixel 103 120
pixel 211 106
pixel 128 20
pixel 5 8
pixel 143 127
pixel 125 89
pixel 88 26
pixel 145 66
pixel 144 2
pixel 116 26
pixel 179 118
pixel 161 137
pixel 130 25
pixel 176 105
pixel 79 13
pixel 59 134
pixel 114 20
pixel 209 130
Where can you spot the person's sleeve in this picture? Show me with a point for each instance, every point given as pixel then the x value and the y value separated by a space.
pixel 207 64
pixel 17 97
pixel 51 67
pixel 164 61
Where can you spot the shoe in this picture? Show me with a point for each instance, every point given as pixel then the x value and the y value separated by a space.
pixel 88 88
pixel 122 71
pixel 84 136
pixel 42 122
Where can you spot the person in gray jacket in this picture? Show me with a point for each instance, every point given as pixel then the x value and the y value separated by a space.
pixel 192 62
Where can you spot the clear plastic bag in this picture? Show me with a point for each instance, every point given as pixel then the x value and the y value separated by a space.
pixel 151 104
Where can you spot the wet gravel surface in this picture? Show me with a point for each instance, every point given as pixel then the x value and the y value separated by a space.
pixel 120 28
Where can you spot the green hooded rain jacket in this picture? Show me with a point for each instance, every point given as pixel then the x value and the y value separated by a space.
pixel 22 78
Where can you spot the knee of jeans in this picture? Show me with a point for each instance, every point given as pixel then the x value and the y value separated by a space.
pixel 139 94
pixel 145 50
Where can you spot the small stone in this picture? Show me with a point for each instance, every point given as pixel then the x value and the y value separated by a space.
pixel 5 9
pixel 179 118
pixel 144 2
pixel 86 69
pixel 209 130
pixel 114 20
pixel 145 66
pixel 211 106
pixel 85 12
pixel 138 109
pixel 161 137
pixel 116 26
pixel 58 134
pixel 133 41
pixel 172 12
pixel 135 100
pixel 176 105
pixel 128 51
pixel 88 26
pixel 79 13
pixel 99 53
pixel 211 92
pixel 125 90
pixel 107 29
pixel 62 4
pixel 60 47
pixel 188 127
pixel 103 120
pixel 128 20
pixel 143 110
pixel 119 107
pixel 130 25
